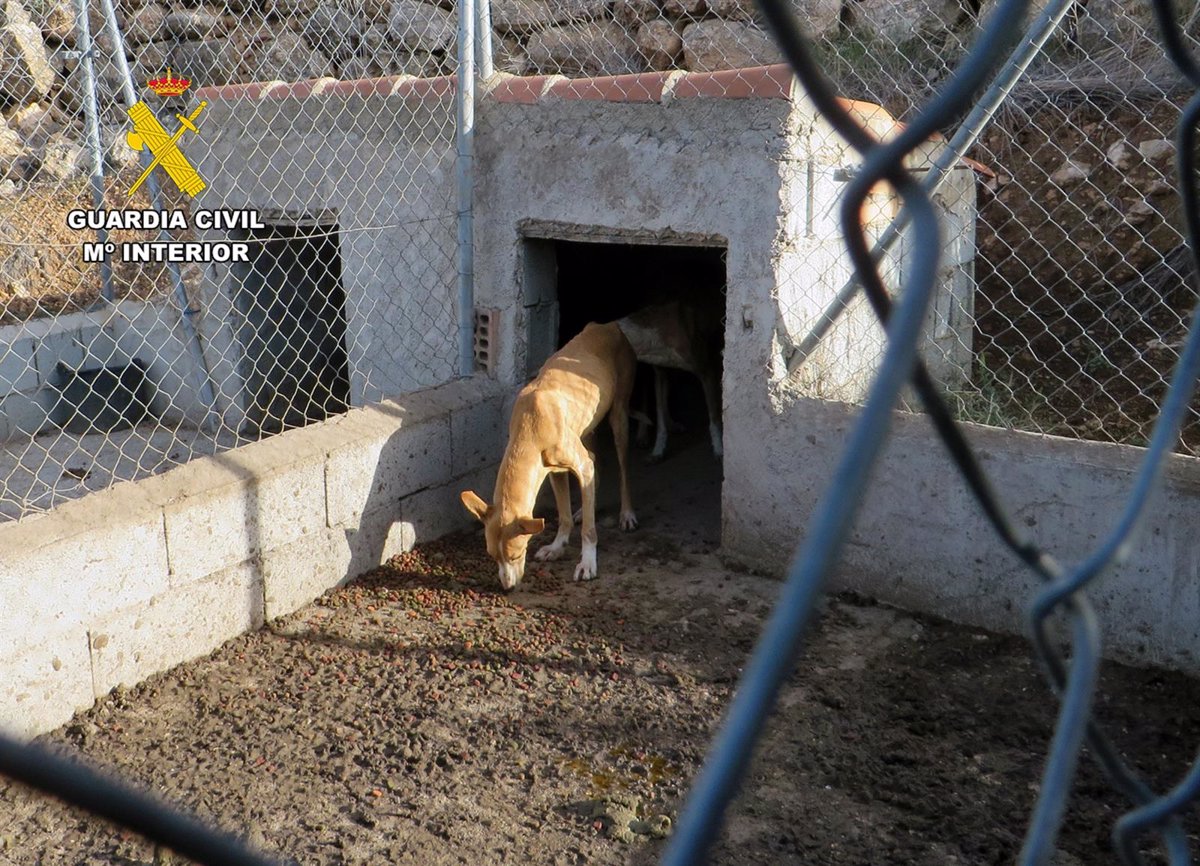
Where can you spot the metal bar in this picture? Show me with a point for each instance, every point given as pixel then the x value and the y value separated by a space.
pixel 204 386
pixel 464 97
pixel 91 119
pixel 795 608
pixel 483 23
pixel 81 785
pixel 962 141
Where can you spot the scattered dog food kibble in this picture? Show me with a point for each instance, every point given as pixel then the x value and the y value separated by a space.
pixel 420 715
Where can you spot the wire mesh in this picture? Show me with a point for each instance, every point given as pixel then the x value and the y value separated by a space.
pixel 1068 315
pixel 1080 276
pixel 338 292
pixel 1074 681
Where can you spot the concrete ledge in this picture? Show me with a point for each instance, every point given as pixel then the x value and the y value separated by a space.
pixel 175 626
pixel 921 541
pixel 408 86
pixel 223 525
pixel 124 583
pixel 380 469
pixel 299 572
pixel 47 682
pixel 63 570
pixel 755 82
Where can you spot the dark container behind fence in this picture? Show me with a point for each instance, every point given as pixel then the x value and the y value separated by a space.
pixel 102 400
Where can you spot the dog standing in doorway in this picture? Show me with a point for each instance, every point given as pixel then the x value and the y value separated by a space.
pixel 550 433
pixel 682 334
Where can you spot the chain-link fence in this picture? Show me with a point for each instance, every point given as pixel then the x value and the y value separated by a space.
pixel 1079 276
pixel 325 280
pixel 1063 590
pixel 1069 319
pixel 1073 315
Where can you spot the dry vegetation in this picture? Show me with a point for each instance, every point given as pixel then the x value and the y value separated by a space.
pixel 42 271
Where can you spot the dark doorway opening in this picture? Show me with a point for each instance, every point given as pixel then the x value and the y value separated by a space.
pixel 570 283
pixel 292 328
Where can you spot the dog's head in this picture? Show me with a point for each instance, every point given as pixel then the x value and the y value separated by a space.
pixel 507 539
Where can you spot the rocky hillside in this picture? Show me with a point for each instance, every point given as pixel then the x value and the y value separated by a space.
pixel 888 51
pixel 1084 285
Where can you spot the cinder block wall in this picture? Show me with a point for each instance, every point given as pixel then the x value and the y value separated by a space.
pixel 124 583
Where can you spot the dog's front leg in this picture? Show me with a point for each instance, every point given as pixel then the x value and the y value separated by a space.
pixel 562 498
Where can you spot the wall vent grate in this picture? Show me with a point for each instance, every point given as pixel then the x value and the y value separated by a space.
pixel 485 340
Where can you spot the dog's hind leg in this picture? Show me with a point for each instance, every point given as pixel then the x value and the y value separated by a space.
pixel 618 419
pixel 562 498
pixel 643 419
pixel 710 379
pixel 660 399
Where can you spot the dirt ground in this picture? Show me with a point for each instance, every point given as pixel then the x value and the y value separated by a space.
pixel 418 715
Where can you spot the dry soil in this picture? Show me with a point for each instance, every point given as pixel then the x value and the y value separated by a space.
pixel 418 715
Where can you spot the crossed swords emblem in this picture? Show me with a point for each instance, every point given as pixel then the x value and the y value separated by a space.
pixel 148 133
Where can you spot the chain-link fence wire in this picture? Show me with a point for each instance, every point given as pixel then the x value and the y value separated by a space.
pixel 1074 676
pixel 913 60
pixel 115 370
pixel 1081 274
pixel 1080 277
pixel 1076 198
pixel 124 805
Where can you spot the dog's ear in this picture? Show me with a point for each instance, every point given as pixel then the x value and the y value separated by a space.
pixel 474 504
pixel 531 525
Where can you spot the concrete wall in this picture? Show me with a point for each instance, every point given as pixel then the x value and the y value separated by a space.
pixel 812 266
pixel 736 158
pixel 29 353
pixel 376 160
pixel 674 169
pixel 922 543
pixel 124 583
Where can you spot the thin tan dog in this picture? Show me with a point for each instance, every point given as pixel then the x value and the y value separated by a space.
pixel 549 434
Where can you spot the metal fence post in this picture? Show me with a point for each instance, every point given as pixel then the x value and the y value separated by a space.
pixel 465 174
pixel 483 23
pixel 212 418
pixel 91 115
